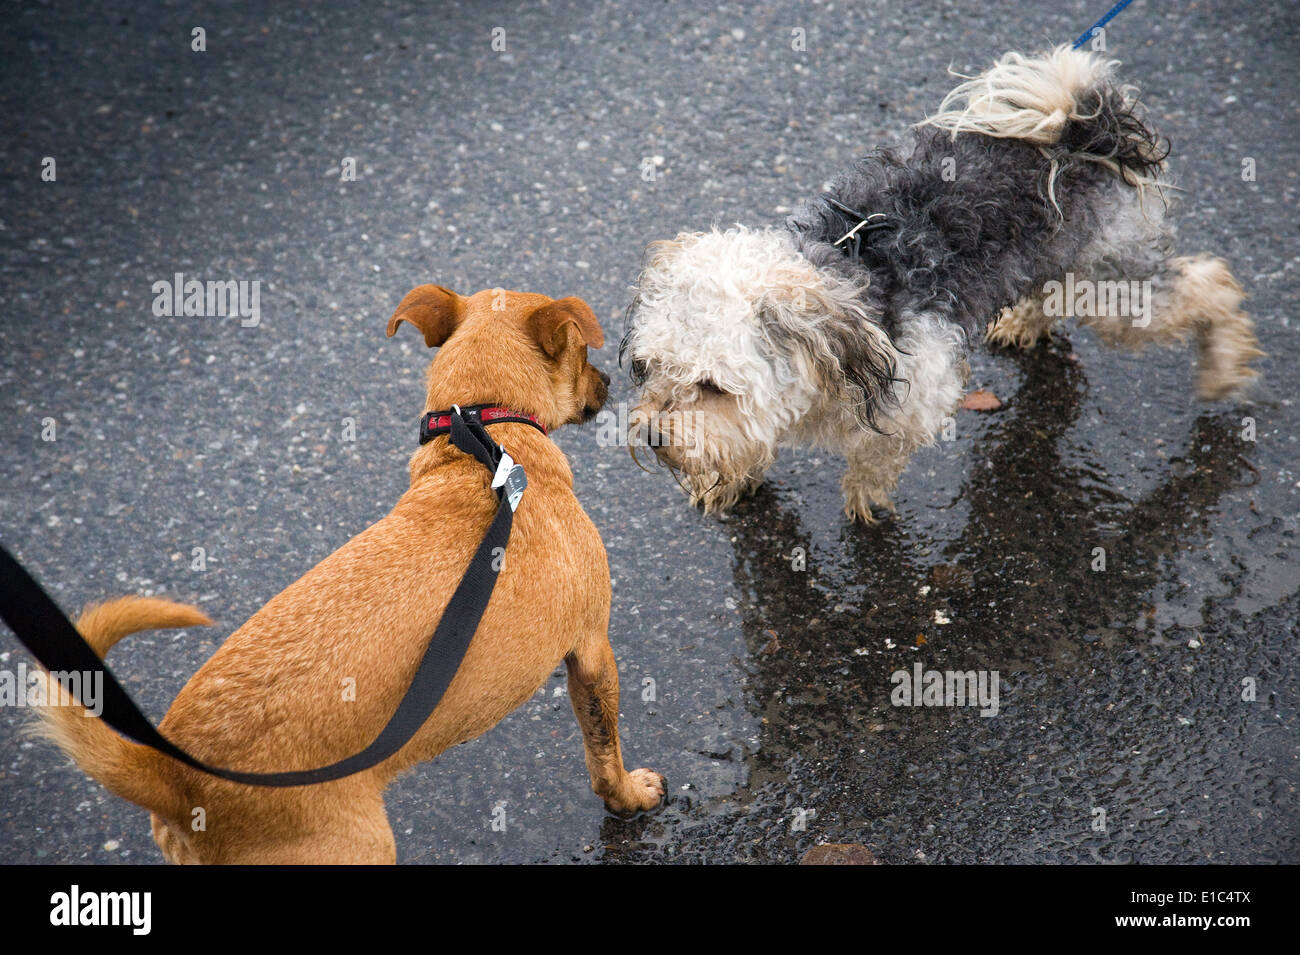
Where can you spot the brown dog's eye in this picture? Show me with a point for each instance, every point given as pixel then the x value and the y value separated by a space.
pixel 708 387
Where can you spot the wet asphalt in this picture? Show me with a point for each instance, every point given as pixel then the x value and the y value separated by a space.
pixel 529 168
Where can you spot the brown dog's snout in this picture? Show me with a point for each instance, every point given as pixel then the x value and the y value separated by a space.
pixel 599 392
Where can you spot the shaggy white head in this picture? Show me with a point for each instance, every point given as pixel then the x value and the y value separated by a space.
pixel 737 341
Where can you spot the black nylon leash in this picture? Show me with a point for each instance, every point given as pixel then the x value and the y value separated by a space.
pixel 53 640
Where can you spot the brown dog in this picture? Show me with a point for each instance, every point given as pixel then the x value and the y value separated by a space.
pixel 274 696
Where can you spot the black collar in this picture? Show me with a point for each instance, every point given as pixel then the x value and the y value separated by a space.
pixel 435 423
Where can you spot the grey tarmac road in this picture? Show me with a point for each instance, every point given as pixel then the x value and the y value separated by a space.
pixel 1121 691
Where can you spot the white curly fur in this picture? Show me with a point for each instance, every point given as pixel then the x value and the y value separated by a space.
pixel 706 311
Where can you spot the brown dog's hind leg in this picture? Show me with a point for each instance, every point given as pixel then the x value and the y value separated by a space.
pixel 339 823
pixel 593 691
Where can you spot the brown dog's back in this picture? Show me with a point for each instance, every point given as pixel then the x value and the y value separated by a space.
pixel 314 675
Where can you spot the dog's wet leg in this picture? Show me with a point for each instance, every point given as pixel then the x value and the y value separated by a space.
pixel 933 372
pixel 593 691
pixel 1194 296
pixel 874 466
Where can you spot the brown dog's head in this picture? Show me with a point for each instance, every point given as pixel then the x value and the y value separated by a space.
pixel 523 351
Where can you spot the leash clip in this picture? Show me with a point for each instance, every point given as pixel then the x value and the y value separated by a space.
pixel 510 476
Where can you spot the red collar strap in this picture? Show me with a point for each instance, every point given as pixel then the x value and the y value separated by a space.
pixel 436 423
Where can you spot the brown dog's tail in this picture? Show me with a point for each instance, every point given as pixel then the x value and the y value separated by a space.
pixel 130 770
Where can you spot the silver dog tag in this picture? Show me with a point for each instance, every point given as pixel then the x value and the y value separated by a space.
pixel 511 476
pixel 503 469
pixel 516 481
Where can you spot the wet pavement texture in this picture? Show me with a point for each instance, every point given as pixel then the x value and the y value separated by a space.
pixel 1121 690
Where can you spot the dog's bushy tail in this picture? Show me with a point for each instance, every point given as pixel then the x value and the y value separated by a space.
pixel 1065 102
pixel 130 770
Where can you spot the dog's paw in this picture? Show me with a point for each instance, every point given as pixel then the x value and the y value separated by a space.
pixel 859 513
pixel 720 498
pixel 858 503
pixel 1021 325
pixel 643 790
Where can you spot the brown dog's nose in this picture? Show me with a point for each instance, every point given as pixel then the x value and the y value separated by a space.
pixel 604 378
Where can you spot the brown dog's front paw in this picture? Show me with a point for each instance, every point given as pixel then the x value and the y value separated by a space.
pixel 643 790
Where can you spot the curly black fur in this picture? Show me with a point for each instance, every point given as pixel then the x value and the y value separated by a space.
pixel 971 224
pixel 637 371
pixel 1116 132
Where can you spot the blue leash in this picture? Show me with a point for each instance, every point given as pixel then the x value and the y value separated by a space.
pixel 1110 15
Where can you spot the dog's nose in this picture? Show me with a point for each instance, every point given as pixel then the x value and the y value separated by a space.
pixel 604 378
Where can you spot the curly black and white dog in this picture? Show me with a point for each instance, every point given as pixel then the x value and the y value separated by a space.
pixel 1037 192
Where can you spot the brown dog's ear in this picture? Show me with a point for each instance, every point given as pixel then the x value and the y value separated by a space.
pixel 547 324
pixel 434 310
